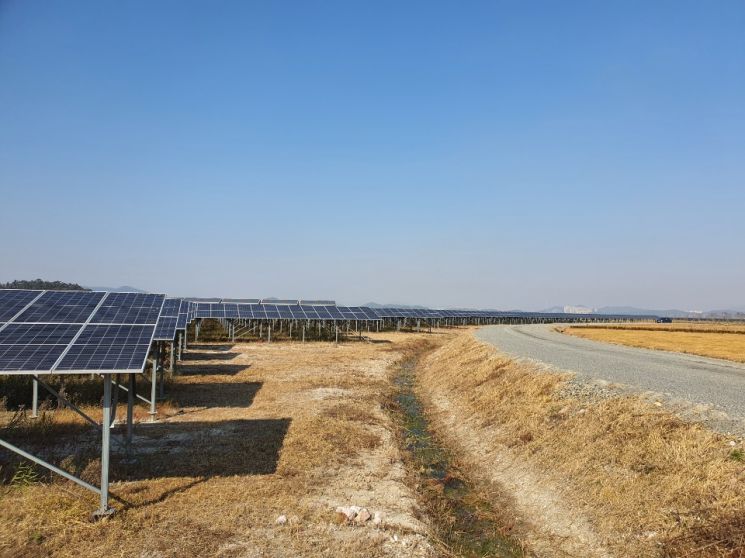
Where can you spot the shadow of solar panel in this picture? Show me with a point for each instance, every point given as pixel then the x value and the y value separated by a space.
pixel 129 308
pixel 62 307
pixel 13 301
pixel 109 348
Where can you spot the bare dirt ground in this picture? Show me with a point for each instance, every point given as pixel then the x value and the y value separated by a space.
pixel 254 432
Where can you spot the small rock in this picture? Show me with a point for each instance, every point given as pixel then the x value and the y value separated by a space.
pixel 378 518
pixel 363 516
pixel 350 512
pixel 732 443
pixel 281 520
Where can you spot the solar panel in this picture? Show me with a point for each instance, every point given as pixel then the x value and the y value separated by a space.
pixel 38 334
pixel 129 308
pixel 165 330
pixel 171 307
pixel 108 347
pixel 62 307
pixel 29 358
pixel 310 312
pixel 13 301
pixel 78 331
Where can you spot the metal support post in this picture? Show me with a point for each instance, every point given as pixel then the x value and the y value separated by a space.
pixel 35 398
pixel 130 410
pixel 104 508
pixel 154 383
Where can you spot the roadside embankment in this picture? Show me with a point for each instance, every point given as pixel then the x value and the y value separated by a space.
pixel 586 476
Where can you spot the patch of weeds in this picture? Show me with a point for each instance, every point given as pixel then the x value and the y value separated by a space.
pixel 25 475
pixel 737 455
pixel 36 537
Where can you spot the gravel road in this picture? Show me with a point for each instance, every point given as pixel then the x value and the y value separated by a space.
pixel 698 380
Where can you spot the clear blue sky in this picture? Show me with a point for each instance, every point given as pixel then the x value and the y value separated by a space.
pixel 495 154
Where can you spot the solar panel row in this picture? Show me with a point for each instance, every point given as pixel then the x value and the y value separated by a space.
pixel 76 331
pixel 283 312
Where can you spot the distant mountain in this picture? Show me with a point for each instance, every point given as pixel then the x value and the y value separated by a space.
pixel 123 289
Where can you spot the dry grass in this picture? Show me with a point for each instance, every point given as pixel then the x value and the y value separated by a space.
pixel 614 477
pixel 253 431
pixel 716 340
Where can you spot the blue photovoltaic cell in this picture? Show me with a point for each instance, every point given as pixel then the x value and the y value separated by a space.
pixel 166 328
pixel 62 307
pixel 109 347
pixel 29 358
pixel 310 312
pixel 129 308
pixel 171 307
pixel 13 301
pixel 38 334
pixel 181 321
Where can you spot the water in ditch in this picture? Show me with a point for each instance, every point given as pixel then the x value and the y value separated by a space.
pixel 464 522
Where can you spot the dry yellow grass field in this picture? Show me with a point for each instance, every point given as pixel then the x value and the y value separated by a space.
pixel 726 341
pixel 255 431
pixel 609 477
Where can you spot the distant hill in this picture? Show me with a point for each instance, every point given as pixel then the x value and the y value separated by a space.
pixel 41 284
pixel 123 289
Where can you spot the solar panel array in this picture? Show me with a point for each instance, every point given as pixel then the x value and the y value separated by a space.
pixel 83 331
pixel 283 312
pixel 76 331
